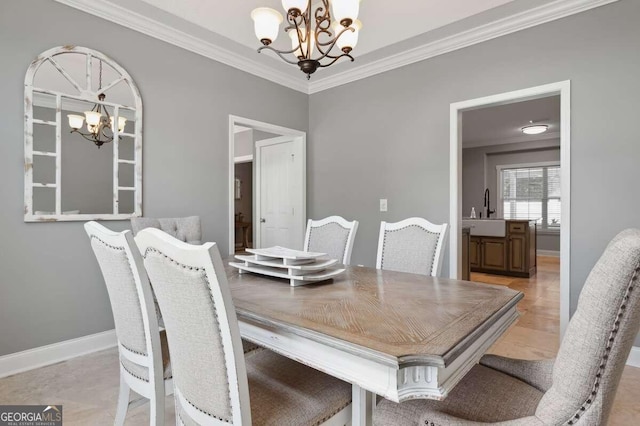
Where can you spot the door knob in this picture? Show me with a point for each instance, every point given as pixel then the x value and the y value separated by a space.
pixel 263 220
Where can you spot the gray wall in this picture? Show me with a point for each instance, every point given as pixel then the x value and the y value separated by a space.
pixel 50 285
pixel 243 143
pixel 387 136
pixel 479 172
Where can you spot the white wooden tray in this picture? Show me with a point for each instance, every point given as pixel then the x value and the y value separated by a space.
pixel 294 280
pixel 288 256
pixel 318 265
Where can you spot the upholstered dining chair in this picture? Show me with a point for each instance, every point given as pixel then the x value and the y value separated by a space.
pixel 185 229
pixel 143 350
pixel 214 383
pixel 332 235
pixel 577 388
pixel 413 245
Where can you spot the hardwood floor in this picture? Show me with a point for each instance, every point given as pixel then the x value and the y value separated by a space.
pixel 88 386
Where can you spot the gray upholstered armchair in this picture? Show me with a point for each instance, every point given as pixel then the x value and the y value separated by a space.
pixel 577 388
pixel 186 229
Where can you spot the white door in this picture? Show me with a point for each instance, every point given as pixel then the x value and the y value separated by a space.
pixel 279 192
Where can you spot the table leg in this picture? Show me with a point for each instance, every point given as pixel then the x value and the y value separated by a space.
pixel 363 403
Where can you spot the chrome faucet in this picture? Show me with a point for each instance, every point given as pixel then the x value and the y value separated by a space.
pixel 487 203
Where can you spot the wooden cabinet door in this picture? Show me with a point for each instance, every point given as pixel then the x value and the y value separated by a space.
pixel 518 253
pixel 474 252
pixel 494 254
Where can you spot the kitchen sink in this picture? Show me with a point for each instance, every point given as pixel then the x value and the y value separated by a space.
pixel 486 227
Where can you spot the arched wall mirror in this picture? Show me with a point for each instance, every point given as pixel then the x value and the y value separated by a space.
pixel 83 138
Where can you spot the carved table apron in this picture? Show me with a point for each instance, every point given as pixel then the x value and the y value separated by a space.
pixel 398 335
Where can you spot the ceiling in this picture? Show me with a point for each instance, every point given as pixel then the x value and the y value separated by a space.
pixel 502 124
pixel 409 18
pixel 395 33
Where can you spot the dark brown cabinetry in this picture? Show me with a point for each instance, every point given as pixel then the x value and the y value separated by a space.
pixel 466 241
pixel 494 254
pixel 514 254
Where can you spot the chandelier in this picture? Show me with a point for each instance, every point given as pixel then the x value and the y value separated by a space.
pixel 99 126
pixel 311 45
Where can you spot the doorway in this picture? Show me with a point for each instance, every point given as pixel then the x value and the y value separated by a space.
pixel 267 185
pixel 501 173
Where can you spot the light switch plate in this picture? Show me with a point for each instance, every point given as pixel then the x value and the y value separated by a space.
pixel 383 204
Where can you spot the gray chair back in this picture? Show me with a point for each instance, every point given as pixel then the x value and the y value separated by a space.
pixel 131 300
pixel 207 359
pixel 598 339
pixel 332 235
pixel 413 245
pixel 186 229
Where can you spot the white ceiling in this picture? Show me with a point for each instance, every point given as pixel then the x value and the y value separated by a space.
pixel 503 124
pixel 395 33
pixel 384 22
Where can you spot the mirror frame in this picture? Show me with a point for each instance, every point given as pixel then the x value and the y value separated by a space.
pixel 85 94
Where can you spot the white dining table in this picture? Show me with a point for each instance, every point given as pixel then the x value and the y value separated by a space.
pixel 401 336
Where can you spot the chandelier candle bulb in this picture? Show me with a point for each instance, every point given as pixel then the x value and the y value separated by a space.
pixel 266 24
pixel 298 6
pixel 300 48
pixel 348 39
pixel 75 121
pixel 345 11
pixel 313 32
pixel 121 123
pixel 92 117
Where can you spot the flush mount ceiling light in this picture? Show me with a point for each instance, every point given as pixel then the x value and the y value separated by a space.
pixel 534 129
pixel 311 45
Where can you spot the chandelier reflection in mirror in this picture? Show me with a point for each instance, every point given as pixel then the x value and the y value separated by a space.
pixel 314 33
pixel 99 126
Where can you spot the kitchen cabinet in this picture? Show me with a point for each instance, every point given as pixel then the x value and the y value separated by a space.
pixel 466 245
pixel 514 254
pixel 494 254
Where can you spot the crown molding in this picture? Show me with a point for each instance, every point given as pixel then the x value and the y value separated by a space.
pixel 153 28
pixel 515 139
pixel 520 21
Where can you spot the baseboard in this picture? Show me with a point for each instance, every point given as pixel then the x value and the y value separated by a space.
pixel 551 253
pixel 634 357
pixel 50 354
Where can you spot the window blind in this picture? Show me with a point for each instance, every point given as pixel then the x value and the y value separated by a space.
pixel 532 193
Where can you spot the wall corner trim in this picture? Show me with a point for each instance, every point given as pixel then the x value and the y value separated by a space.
pixel 56 352
pixel 156 29
pixel 507 25
pixel 526 19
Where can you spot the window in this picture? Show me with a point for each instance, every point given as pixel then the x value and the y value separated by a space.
pixel 531 193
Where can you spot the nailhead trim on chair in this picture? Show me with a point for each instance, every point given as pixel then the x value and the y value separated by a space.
pixel 327 417
pixel 215 312
pixel 605 357
pixel 384 242
pixel 94 237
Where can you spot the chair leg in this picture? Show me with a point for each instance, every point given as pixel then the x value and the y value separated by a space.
pixel 123 402
pixel 156 405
